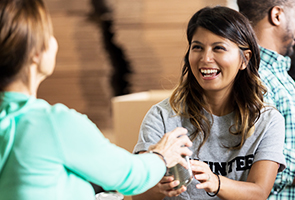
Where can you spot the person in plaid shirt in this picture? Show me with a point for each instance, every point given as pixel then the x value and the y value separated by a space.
pixel 274 24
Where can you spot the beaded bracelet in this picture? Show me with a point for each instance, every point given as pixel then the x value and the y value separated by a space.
pixel 213 195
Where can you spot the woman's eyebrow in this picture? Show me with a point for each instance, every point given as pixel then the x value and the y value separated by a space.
pixel 196 41
pixel 215 43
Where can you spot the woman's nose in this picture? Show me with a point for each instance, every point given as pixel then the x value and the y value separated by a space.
pixel 207 56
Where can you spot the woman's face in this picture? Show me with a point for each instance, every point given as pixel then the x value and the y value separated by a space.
pixel 48 57
pixel 215 61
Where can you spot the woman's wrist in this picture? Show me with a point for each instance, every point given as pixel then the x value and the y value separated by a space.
pixel 218 188
pixel 161 156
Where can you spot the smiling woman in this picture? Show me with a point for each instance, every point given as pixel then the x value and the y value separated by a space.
pixel 215 61
pixel 237 139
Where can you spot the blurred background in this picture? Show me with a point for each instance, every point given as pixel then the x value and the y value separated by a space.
pixel 109 48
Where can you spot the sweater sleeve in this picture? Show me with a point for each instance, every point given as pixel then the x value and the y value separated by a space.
pixel 87 153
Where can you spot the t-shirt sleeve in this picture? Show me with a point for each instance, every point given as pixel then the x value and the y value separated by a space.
pixel 272 143
pixel 152 129
pixel 87 153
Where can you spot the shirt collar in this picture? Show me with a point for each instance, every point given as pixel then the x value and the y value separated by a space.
pixel 270 57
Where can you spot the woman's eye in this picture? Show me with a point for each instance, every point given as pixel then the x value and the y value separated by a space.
pixel 196 47
pixel 220 48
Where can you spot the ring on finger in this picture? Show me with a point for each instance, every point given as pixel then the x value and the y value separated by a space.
pixel 209 177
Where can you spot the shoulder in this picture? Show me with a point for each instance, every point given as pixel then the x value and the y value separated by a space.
pixel 270 124
pixel 269 114
pixel 59 113
pixel 42 106
pixel 163 109
pixel 159 114
pixel 65 115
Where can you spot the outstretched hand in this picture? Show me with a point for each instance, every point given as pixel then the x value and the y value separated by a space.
pixel 167 184
pixel 172 146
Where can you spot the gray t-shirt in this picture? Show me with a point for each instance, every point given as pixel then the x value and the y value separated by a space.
pixel 266 143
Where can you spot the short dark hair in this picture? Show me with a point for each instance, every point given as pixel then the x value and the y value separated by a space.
pixel 256 10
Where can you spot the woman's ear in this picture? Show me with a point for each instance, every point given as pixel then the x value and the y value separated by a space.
pixel 36 59
pixel 275 15
pixel 247 56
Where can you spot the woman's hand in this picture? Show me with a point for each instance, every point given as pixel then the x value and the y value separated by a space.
pixel 208 180
pixel 172 146
pixel 164 188
pixel 167 184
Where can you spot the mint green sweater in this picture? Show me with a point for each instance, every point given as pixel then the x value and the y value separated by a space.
pixel 51 152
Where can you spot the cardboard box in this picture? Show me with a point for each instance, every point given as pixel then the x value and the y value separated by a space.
pixel 128 113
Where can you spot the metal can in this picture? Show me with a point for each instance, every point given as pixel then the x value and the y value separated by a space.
pixel 109 196
pixel 183 175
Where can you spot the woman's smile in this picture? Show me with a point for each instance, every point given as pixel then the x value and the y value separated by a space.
pixel 209 73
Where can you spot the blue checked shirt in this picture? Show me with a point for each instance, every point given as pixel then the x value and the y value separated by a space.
pixel 281 93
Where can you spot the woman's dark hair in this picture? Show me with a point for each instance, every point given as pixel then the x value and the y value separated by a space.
pixel 188 100
pixel 25 29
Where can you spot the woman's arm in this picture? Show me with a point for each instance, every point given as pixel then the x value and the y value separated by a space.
pixel 87 153
pixel 258 185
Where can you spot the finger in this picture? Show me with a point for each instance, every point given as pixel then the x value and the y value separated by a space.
pixel 167 179
pixel 179 131
pixel 198 167
pixel 198 164
pixel 193 162
pixel 183 162
pixel 185 141
pixel 176 192
pixel 203 177
pixel 185 151
pixel 169 186
pixel 203 185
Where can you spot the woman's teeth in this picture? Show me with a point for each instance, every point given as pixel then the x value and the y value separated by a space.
pixel 209 72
